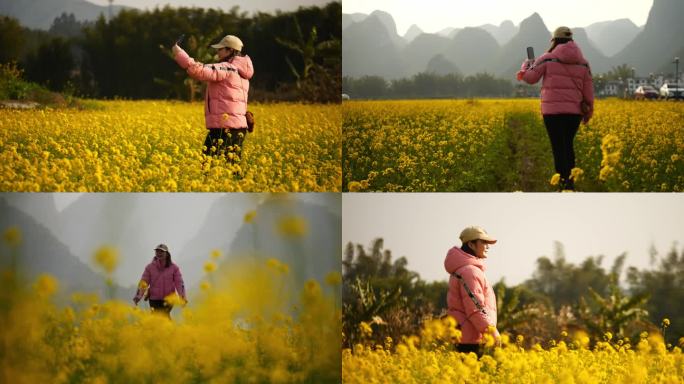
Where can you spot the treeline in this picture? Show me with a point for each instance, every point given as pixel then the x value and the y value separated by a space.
pixel 431 85
pixel 296 55
pixel 386 295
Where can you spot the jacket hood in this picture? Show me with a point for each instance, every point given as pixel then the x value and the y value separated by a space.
pixel 457 258
pixel 569 53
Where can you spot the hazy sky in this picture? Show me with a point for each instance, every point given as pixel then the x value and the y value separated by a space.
pixel 250 6
pixel 424 226
pixel 172 218
pixel 435 15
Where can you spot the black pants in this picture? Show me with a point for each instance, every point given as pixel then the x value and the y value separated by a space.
pixel 232 143
pixel 160 307
pixel 467 348
pixel 562 130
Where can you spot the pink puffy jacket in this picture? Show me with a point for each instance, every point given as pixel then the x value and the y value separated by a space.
pixel 472 321
pixel 162 281
pixel 566 83
pixel 227 88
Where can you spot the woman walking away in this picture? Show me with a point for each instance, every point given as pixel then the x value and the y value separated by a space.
pixel 471 300
pixel 225 104
pixel 161 278
pixel 567 97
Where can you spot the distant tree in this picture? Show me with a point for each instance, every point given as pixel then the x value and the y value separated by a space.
pixel 517 306
pixel 664 286
pixel 314 81
pixel 622 71
pixel 66 25
pixel 564 283
pixel 450 84
pixel 485 84
pixel 426 84
pixel 11 40
pixel 51 65
pixel 123 56
pixel 402 88
pixel 384 293
pixel 430 85
pixel 613 312
pixel 371 87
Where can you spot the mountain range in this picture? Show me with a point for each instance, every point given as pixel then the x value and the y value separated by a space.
pixel 312 255
pixel 62 242
pixel 372 46
pixel 39 14
pixel 41 252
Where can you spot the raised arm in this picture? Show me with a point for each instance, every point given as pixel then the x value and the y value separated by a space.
pixel 531 73
pixel 197 70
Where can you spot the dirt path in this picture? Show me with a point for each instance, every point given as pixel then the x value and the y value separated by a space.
pixel 530 153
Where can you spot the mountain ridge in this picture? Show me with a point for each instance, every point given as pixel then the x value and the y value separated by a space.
pixel 651 49
pixel 39 14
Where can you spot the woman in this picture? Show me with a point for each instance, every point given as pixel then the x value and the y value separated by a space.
pixel 567 97
pixel 163 278
pixel 471 300
pixel 226 97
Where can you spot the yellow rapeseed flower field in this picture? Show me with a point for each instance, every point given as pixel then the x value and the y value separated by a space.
pixel 430 359
pixel 502 145
pixel 149 146
pixel 251 326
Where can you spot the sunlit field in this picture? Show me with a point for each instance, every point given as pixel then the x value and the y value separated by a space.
pixel 502 145
pixel 571 358
pixel 247 324
pixel 152 146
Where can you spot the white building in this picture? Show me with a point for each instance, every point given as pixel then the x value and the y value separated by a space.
pixel 626 87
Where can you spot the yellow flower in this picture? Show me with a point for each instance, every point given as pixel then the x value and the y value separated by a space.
pixel 555 179
pixel 46 285
pixel 205 286
pixel 354 186
pixel 249 216
pixel 12 236
pixel 215 254
pixel 278 266
pixel 576 173
pixel 292 226
pixel 666 322
pixel 174 299
pixel 107 258
pixel 365 328
pixel 209 267
pixel 333 278
pixel 142 285
pixel 311 290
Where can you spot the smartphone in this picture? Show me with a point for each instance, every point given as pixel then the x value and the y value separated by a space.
pixel 530 53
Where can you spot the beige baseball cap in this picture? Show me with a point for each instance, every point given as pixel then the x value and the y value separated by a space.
pixel 162 247
pixel 229 41
pixel 562 32
pixel 476 233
